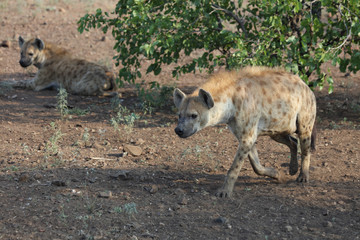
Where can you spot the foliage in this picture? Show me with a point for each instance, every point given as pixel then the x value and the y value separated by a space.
pixel 299 35
pixel 62 103
pixel 155 96
pixel 123 116
pixel 51 146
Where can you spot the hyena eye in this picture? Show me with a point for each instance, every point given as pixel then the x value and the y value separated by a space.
pixel 194 116
pixel 31 54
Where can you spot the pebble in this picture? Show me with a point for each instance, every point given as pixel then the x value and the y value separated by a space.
pixel 328 224
pixel 221 220
pixel 6 44
pixel 123 175
pixel 105 194
pixel 288 228
pixel 38 176
pixel 183 201
pixel 58 183
pixel 133 150
pixel 25 177
pixel 154 189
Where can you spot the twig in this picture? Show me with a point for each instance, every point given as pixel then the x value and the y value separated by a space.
pixel 240 21
pixel 347 30
pixel 100 158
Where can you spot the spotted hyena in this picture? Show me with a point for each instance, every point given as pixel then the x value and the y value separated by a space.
pixel 58 68
pixel 253 101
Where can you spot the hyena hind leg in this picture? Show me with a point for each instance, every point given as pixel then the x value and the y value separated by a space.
pixel 305 144
pixel 260 169
pixel 292 143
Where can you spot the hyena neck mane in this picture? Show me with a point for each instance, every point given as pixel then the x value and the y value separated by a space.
pixel 222 111
pixel 50 51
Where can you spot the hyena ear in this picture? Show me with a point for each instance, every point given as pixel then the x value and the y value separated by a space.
pixel 39 43
pixel 179 96
pixel 21 41
pixel 206 98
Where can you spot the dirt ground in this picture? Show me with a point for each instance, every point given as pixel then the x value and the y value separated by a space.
pixel 75 178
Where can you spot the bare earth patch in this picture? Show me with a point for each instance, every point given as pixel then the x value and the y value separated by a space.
pixel 76 178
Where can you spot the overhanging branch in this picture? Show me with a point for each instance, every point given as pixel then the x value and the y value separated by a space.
pixel 239 20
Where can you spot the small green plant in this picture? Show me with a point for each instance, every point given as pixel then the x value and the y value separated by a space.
pixel 26 148
pixel 86 135
pixel 115 103
pixel 62 214
pixel 129 209
pixel 124 116
pixel 62 103
pixel 154 97
pixel 51 146
pixel 78 111
pixel 118 209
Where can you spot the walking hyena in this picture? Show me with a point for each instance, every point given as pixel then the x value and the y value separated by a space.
pixel 57 67
pixel 253 101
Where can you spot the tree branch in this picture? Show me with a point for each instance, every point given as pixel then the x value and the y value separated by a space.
pixel 240 21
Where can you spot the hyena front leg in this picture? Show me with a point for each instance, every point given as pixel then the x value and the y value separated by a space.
pixel 233 173
pixel 292 144
pixel 25 84
pixel 260 169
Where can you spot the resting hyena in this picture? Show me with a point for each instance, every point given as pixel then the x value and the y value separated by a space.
pixel 253 101
pixel 57 67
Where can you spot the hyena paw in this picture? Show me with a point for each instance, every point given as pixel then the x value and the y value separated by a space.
pixel 293 170
pixel 303 178
pixel 223 193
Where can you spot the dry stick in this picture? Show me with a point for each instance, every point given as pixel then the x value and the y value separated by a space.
pixel 100 158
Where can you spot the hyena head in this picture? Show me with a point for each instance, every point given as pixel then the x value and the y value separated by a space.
pixel 193 112
pixel 31 52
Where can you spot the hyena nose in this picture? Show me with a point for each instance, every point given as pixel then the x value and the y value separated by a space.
pixel 22 63
pixel 179 132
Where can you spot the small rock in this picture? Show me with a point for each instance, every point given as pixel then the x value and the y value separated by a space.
pixel 133 150
pixel 58 183
pixel 328 224
pixel 41 146
pixel 288 228
pixel 221 220
pixel 91 180
pixel 6 44
pixel 97 146
pixel 179 192
pixel 140 141
pixel 38 176
pixel 154 189
pixel 133 237
pixel 103 38
pixel 105 194
pixel 24 177
pixel 123 175
pixel 62 10
pixel 183 201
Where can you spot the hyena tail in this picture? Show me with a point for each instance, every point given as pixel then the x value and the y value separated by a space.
pixel 313 138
